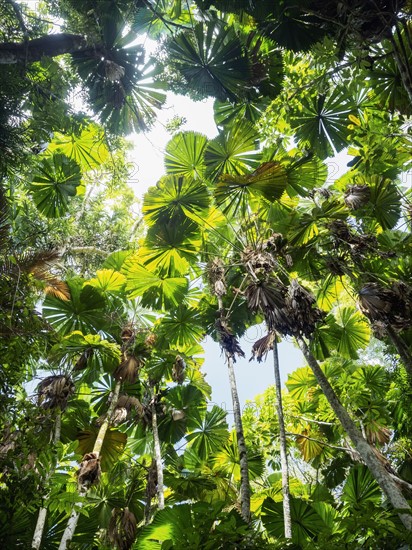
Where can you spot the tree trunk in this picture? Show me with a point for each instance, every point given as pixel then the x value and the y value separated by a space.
pixel 244 469
pixel 74 517
pixel 50 45
pixel 158 458
pixel 382 476
pixel 41 519
pixel 287 520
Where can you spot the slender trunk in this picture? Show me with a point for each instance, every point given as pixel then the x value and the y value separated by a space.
pixel 41 519
pixel 402 66
pixel 377 469
pixel 158 457
pixel 50 45
pixel 74 517
pixel 287 520
pixel 402 349
pixel 241 444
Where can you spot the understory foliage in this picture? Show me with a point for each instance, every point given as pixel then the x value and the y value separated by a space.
pixel 108 437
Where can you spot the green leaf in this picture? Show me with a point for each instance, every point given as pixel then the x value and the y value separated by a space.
pixel 345 331
pixel 171 248
pixel 157 291
pixel 269 181
pixel 386 201
pixel 234 151
pixel 184 155
pixel 322 121
pixel 182 327
pixel 211 60
pixel 175 198
pixel 210 433
pixel 88 148
pixel 301 383
pixel 107 280
pixel 54 182
pixel 306 521
pixel 85 311
pixel 361 488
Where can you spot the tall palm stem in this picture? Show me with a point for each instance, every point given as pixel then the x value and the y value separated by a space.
pixel 240 436
pixel 287 520
pixel 365 450
pixel 74 517
pixel 158 458
pixel 41 519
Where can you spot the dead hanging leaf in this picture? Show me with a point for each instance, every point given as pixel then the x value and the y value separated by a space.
pixel 265 294
pixel 150 340
pixel 127 333
pixel 391 306
pixel 178 370
pixel 258 261
pixel 357 196
pixel 302 313
pixel 228 342
pixel 54 392
pixel 261 347
pixel 128 370
pixel 122 528
pixel 57 288
pixel 215 272
pixel 81 363
pixel 90 471
pixel 276 243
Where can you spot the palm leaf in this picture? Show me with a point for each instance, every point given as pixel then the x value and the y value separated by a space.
pixel 56 180
pixel 210 432
pixel 269 181
pixel 234 151
pixel 184 155
pixel 156 290
pixel 182 327
pixel 211 60
pixel 84 311
pixel 108 280
pixel 175 198
pixel 87 148
pixel 361 488
pixel 306 521
pixel 171 248
pixel 323 121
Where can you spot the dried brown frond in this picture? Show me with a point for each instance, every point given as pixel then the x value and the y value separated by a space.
pixel 127 333
pixel 150 340
pixel 276 243
pixel 257 261
pixel 356 196
pixel 82 361
pixel 340 230
pixel 376 434
pixel 89 471
pixel 119 416
pixel 178 370
pixel 265 294
pixel 56 287
pixel 336 265
pixel 54 392
pixel 261 347
pixel 392 306
pixel 227 340
pixel 128 370
pixel 122 528
pixel 215 273
pixel 301 309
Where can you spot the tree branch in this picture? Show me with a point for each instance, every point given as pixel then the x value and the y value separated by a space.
pixel 46 46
